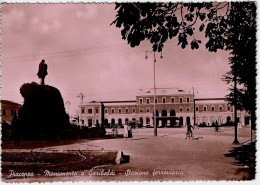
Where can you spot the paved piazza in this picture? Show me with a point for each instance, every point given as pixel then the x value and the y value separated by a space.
pixel 199 159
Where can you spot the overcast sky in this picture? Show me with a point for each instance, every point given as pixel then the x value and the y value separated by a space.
pixel 85 54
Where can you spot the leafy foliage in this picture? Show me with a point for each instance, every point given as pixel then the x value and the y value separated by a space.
pixel 241 40
pixel 227 26
pixel 158 22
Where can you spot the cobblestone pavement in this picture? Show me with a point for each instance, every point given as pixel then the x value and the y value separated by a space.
pixel 169 156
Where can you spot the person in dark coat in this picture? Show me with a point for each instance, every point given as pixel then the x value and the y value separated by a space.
pixel 216 126
pixel 189 131
pixel 42 72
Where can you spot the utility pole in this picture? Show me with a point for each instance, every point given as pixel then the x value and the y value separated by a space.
pixel 154 114
pixel 194 108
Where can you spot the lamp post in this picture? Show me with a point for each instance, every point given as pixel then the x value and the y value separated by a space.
pixel 194 108
pixel 154 112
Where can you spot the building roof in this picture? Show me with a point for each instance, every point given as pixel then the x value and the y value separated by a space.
pixel 7 102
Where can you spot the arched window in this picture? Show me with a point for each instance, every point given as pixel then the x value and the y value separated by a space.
pixel 205 119
pixel 141 120
pixel 157 113
pixel 181 121
pixel 106 122
pixel 126 120
pixel 163 100
pixel 147 120
pixel 187 120
pixel 228 119
pixel 164 112
pixel 172 113
pixel 120 122
pixel 112 122
pixel 212 119
pixel 220 120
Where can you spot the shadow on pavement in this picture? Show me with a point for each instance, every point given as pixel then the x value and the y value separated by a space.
pixel 139 138
pixel 245 157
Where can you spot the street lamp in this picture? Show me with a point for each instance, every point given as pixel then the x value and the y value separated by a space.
pixel 154 112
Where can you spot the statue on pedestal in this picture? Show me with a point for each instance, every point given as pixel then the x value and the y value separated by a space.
pixel 42 72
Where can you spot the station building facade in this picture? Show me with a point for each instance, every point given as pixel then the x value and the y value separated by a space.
pixel 171 110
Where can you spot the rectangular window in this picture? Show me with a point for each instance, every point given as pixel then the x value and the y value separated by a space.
pixel 172 100
pixel 188 109
pixel 188 99
pixel 156 100
pixel 113 111
pixel 133 110
pixel 119 111
pixel 213 109
pixel 164 100
pixel 147 101
pixel 83 110
pixel 180 100
pixel 205 109
pixel 96 111
pixel 105 110
pixel 197 109
pixel 148 110
pixel 90 111
pixel 126 110
pixel 180 109
pixel 141 101
pixel 141 110
pixel 220 108
pixel 228 108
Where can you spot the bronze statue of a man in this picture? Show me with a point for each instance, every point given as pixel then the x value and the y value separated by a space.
pixel 42 72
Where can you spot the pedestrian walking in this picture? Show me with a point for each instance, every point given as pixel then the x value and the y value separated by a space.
pixel 125 131
pixel 216 126
pixel 189 133
pixel 129 129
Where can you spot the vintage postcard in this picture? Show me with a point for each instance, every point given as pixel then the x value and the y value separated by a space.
pixel 128 91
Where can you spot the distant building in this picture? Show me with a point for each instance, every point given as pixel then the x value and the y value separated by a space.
pixel 8 109
pixel 171 110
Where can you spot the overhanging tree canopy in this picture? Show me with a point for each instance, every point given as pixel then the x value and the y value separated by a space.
pixel 226 25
